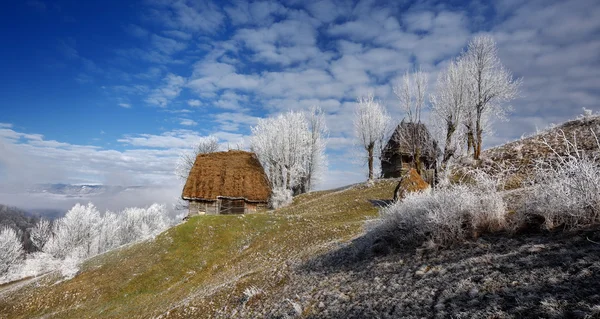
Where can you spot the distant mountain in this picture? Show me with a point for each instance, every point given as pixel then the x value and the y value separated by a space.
pixel 79 190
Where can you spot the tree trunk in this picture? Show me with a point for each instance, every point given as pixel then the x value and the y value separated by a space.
pixel 417 161
pixel 370 151
pixel 448 152
pixel 470 141
pixel 478 131
pixel 478 145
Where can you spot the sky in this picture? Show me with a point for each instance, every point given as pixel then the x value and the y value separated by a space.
pixel 113 91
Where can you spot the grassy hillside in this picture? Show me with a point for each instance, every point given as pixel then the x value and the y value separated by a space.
pixel 203 266
pixel 518 158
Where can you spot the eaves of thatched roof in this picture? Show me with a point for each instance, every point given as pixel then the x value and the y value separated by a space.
pixel 232 174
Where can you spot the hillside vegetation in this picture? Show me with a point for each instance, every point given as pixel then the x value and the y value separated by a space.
pixel 203 267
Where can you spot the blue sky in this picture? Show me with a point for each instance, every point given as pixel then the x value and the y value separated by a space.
pixel 112 91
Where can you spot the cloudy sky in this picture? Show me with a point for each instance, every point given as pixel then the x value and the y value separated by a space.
pixel 112 91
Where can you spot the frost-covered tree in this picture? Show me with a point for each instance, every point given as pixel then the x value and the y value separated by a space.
pixel 371 123
pixel 291 149
pixel 490 86
pixel 11 249
pixel 209 144
pixel 109 232
pixel 82 233
pixel 77 230
pixel 449 107
pixel 317 160
pixel 139 223
pixel 40 233
pixel 411 95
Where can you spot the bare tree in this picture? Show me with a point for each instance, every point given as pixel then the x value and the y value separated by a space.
pixel 209 144
pixel 411 94
pixel 449 106
pixel 490 86
pixel 371 123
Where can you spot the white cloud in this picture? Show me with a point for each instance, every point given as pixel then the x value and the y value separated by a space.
pixel 136 31
pixel 167 140
pixel 172 86
pixel 167 45
pixel 180 35
pixel 5 125
pixel 419 21
pixel 194 103
pixel 284 43
pixel 194 16
pixel 256 13
pixel 230 122
pixel 188 122
pixel 125 105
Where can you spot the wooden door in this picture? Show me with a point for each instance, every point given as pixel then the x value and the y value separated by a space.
pixel 232 206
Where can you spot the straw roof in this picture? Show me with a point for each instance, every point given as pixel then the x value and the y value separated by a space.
pixel 235 174
pixel 401 141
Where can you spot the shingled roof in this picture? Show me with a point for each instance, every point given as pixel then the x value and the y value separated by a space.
pixel 234 174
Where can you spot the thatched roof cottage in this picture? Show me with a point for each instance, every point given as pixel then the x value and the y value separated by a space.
pixel 231 182
pixel 397 154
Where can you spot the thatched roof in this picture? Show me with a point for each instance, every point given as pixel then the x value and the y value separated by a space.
pixel 401 141
pixel 235 174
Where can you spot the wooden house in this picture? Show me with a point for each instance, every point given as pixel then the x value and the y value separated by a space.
pixel 397 156
pixel 231 182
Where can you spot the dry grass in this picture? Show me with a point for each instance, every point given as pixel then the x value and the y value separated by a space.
pixel 517 160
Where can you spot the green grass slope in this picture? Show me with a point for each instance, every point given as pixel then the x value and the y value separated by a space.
pixel 201 266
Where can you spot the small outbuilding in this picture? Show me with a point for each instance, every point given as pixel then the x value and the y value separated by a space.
pixel 397 156
pixel 231 182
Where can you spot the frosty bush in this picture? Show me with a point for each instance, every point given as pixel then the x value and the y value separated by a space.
pixel 567 191
pixel 447 215
pixel 11 249
pixel 280 197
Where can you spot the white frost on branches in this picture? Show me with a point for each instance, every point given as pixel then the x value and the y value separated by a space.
pixel 11 250
pixel 40 233
pixel 567 187
pixel 291 149
pixel 490 87
pixel 371 126
pixel 82 233
pixel 449 105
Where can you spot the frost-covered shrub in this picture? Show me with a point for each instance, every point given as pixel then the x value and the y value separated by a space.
pixel 446 215
pixel 11 249
pixel 567 193
pixel 280 197
pixel 36 264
